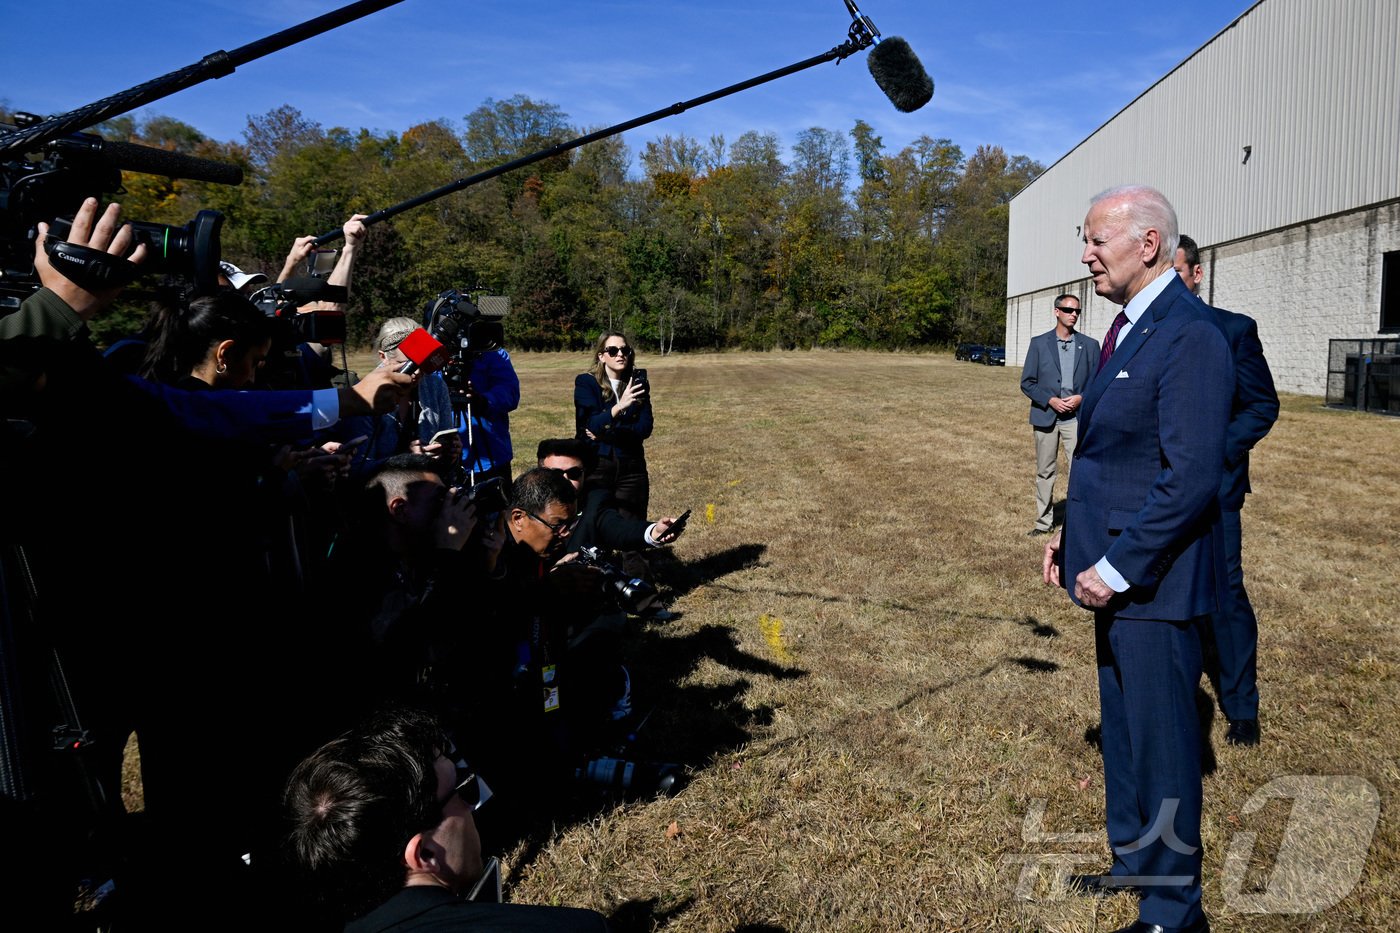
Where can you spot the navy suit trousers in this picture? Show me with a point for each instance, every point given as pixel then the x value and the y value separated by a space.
pixel 1236 631
pixel 1148 674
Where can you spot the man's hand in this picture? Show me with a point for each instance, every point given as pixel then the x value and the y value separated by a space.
pixel 1050 569
pixel 375 394
pixel 1091 591
pixel 661 534
pixel 301 248
pixel 354 230
pixel 1073 402
pixel 108 234
pixel 455 522
pixel 1059 405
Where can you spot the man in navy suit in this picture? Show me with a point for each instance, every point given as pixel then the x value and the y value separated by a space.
pixel 1253 412
pixel 1059 365
pixel 1138 547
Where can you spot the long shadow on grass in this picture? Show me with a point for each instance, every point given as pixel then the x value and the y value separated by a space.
pixel 684 576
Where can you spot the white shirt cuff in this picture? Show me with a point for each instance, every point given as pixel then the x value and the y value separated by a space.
pixel 646 536
pixel 1113 578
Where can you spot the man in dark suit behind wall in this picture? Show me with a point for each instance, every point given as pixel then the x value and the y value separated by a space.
pixel 1252 413
pixel 1138 548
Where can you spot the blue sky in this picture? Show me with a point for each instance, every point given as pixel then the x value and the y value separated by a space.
pixel 1034 78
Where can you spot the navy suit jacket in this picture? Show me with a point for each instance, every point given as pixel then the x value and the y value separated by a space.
pixel 1148 464
pixel 1254 408
pixel 1040 376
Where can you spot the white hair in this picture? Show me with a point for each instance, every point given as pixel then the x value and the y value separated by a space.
pixel 1147 209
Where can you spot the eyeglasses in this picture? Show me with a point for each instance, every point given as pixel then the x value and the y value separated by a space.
pixel 559 529
pixel 615 351
pixel 572 473
pixel 1068 310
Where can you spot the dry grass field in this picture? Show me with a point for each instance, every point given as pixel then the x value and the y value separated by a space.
pixel 874 689
pixel 887 717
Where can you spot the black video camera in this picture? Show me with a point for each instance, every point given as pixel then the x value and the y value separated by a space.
pixel 468 329
pixel 84 165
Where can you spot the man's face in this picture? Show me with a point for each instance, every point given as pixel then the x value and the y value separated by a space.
pixel 1190 274
pixel 456 840
pixel 571 467
pixel 545 532
pixel 419 508
pixel 1114 256
pixel 1067 313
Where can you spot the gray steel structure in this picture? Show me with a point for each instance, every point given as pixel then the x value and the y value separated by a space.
pixel 1278 141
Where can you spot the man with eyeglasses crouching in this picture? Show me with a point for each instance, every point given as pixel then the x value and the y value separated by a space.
pixel 383 833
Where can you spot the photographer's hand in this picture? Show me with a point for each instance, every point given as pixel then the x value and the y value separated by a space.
pixel 107 234
pixel 455 522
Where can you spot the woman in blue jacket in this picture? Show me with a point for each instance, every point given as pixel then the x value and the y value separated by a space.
pixel 613 411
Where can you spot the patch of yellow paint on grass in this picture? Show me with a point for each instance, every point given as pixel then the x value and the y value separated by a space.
pixel 772 628
pixel 709 513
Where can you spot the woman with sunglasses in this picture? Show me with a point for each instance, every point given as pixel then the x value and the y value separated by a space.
pixel 612 409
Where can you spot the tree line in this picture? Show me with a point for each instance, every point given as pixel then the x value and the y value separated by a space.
pixel 713 244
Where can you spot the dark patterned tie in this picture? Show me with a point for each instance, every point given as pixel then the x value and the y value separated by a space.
pixel 1110 339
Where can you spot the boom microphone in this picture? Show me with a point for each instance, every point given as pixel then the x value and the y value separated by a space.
pixel 130 157
pixel 897 70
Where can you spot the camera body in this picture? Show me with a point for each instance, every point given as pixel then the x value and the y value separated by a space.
pixel 632 594
pixel 468 329
pixel 79 166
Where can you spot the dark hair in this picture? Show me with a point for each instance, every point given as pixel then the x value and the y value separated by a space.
pixel 600 372
pixel 537 489
pixel 582 451
pixel 185 334
pixel 356 801
pixel 1189 248
pixel 1060 298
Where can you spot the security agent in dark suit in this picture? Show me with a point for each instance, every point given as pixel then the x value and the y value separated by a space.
pixel 1252 414
pixel 1138 548
pixel 1059 364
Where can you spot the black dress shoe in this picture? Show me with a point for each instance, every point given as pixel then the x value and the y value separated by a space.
pixel 1200 926
pixel 1243 732
pixel 1098 886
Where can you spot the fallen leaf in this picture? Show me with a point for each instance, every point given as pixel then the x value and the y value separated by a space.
pixel 1085 781
pixel 673 830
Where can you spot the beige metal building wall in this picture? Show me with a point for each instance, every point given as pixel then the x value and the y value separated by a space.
pixel 1311 86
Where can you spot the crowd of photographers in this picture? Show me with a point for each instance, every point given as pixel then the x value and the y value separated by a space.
pixel 338 572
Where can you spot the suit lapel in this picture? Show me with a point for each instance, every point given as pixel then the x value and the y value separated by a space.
pixel 1146 326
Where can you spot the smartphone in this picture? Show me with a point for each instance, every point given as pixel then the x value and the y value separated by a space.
pixel 639 376
pixel 676 527
pixel 350 446
pixel 443 436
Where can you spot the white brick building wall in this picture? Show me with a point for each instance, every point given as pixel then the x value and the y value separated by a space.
pixel 1305 285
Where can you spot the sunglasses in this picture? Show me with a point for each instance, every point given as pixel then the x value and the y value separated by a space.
pixel 1068 310
pixel 618 351
pixel 572 473
pixel 471 788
